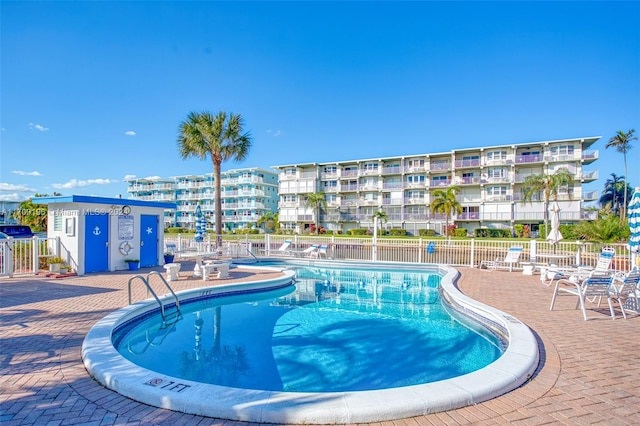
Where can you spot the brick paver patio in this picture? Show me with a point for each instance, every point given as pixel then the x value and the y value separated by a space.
pixel 589 371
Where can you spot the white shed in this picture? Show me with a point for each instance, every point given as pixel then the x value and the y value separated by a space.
pixel 99 233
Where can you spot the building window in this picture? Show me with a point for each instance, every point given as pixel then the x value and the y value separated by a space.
pixel 497 190
pixel 370 167
pixel 416 179
pixel 290 171
pixel 332 170
pixel 562 150
pixel 416 163
pixel 496 155
pixel 497 172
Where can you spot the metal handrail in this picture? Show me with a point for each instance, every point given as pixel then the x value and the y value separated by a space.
pixel 149 289
pixel 166 285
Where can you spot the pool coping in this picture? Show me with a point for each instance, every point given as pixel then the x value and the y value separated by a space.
pixel 511 370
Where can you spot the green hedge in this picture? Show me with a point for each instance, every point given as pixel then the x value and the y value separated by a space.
pixel 398 232
pixel 492 233
pixel 427 232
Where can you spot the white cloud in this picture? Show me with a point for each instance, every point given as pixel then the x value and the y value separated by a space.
pixel 22 173
pixel 130 133
pixel 11 197
pixel 12 187
pixel 38 127
pixel 274 133
pixel 129 177
pixel 153 177
pixel 76 183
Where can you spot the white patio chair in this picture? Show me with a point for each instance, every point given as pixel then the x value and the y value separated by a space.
pixel 512 257
pixel 625 291
pixel 581 272
pixel 598 284
pixel 283 250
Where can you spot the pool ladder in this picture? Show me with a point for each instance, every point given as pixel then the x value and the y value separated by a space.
pixel 155 296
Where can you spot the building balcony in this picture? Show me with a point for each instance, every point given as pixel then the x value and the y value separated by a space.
pixel 527 159
pixel 589 176
pixel 590 196
pixel 415 185
pixel 348 173
pixel 440 183
pixel 589 157
pixel 392 201
pixel 469 216
pixel 496 216
pixel 460 164
pixel 474 180
pixel 440 166
pixel 561 158
pixel 348 188
pixel 589 215
pixel 498 198
pixel 414 201
pixel 394 170
pixel 390 186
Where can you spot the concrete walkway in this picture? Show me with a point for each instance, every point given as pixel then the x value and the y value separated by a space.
pixel 589 371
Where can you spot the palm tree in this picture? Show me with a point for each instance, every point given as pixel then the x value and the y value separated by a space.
pixel 382 218
pixel 316 201
pixel 270 220
pixel 548 185
pixel 613 193
pixel 622 143
pixel 446 202
pixel 220 136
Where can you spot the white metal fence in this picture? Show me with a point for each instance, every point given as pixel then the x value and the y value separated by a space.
pixel 28 255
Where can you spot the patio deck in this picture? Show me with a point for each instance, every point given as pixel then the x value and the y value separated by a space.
pixel 589 371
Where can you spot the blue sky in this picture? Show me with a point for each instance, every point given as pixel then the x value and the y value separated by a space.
pixel 93 92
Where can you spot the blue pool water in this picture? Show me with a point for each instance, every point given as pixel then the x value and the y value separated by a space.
pixel 334 330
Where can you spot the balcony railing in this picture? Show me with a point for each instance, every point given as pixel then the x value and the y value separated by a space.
pixel 438 183
pixel 467 163
pixel 440 166
pixel 469 216
pixel 524 159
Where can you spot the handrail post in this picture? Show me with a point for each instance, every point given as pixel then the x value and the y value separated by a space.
pixel 472 260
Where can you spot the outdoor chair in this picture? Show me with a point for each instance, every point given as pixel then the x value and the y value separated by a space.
pixel 284 249
pixel 308 252
pixel 512 257
pixel 581 272
pixel 321 252
pixel 625 290
pixel 597 285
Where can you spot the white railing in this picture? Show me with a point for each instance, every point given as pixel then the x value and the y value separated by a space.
pixel 25 256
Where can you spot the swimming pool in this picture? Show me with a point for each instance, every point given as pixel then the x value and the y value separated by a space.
pixel 335 330
pixel 274 405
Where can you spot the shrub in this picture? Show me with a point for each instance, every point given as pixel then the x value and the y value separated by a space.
pixel 492 233
pixel 398 232
pixel 175 230
pixel 358 231
pixel 518 228
pixel 426 232
pixel 460 232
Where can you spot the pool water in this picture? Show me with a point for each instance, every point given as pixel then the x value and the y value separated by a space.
pixel 335 330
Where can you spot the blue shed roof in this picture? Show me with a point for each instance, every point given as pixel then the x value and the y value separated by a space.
pixel 101 200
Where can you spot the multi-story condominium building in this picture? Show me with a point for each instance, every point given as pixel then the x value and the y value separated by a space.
pixel 247 195
pixel 490 182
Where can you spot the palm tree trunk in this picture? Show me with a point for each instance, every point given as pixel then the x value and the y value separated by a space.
pixel 218 201
pixel 623 210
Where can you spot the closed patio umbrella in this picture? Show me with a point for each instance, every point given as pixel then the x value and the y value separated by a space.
pixel 633 215
pixel 200 225
pixel 554 234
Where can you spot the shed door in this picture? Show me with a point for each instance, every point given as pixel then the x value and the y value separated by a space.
pixel 96 243
pixel 148 240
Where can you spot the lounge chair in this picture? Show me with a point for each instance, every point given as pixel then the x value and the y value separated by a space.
pixel 308 252
pixel 283 250
pixel 597 285
pixel 321 252
pixel 512 257
pixel 625 290
pixel 581 272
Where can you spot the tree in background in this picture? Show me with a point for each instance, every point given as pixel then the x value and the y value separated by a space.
pixel 613 195
pixel 622 143
pixel 548 185
pixel 382 218
pixel 220 136
pixel 445 202
pixel 270 221
pixel 316 201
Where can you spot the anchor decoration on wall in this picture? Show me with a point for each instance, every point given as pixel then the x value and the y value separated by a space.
pixel 96 230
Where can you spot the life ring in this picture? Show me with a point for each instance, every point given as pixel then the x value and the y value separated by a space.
pixel 125 248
